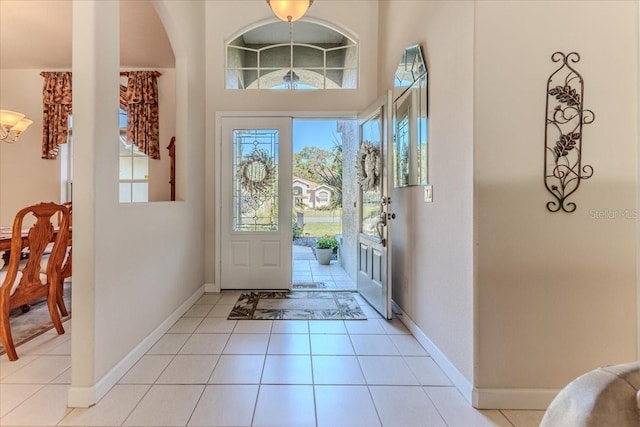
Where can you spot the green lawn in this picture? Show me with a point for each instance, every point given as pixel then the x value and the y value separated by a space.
pixel 317 229
pixel 337 213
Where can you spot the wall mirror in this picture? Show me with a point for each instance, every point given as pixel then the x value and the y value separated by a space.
pixel 410 124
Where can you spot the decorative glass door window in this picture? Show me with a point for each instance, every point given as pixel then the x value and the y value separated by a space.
pixel 369 171
pixel 255 180
pixel 401 149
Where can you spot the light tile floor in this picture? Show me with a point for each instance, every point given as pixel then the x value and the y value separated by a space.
pixel 307 269
pixel 209 371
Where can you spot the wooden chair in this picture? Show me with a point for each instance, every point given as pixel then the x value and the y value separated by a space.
pixel 19 286
pixel 66 270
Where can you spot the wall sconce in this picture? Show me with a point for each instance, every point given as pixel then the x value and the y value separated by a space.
pixel 12 124
pixel 289 10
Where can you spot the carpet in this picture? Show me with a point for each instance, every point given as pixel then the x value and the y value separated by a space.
pixel 35 322
pixel 309 285
pixel 298 305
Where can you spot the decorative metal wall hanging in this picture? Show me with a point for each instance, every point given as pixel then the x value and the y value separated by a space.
pixel 565 116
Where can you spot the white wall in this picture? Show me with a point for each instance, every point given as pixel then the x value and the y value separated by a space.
pixel 357 18
pixel 638 187
pixel 137 264
pixel 518 299
pixel 432 243
pixel 25 178
pixel 556 292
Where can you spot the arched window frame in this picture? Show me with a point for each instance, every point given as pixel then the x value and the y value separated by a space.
pixel 268 76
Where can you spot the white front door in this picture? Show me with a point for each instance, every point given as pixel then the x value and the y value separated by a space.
pixel 374 210
pixel 256 203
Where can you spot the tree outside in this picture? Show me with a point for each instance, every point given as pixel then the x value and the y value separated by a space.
pixel 322 166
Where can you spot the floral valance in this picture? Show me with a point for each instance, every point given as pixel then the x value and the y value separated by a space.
pixel 140 101
pixel 139 98
pixel 56 107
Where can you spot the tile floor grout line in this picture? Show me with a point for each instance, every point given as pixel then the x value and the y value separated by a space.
pixel 373 401
pixel 313 386
pixel 435 406
pixel 23 401
pixel 264 364
pixel 150 386
pixel 204 389
pixel 507 418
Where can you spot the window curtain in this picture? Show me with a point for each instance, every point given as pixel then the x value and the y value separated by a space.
pixel 56 105
pixel 141 104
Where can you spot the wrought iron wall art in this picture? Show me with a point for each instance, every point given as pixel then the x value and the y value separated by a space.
pixel 565 117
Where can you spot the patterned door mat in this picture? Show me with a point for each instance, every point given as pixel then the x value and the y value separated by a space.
pixel 309 285
pixel 298 305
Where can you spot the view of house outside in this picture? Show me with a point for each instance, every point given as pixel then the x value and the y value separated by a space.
pixel 317 178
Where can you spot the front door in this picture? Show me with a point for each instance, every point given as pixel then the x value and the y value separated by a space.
pixel 256 203
pixel 374 210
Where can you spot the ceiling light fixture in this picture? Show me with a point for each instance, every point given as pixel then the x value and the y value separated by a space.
pixel 12 124
pixel 291 79
pixel 289 10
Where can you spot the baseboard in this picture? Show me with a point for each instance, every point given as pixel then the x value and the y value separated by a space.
pixel 211 287
pixel 513 398
pixel 83 397
pixel 481 398
pixel 457 378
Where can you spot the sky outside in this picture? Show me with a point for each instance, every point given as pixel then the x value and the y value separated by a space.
pixel 318 133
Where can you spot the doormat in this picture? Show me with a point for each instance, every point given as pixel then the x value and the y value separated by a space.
pixel 309 285
pixel 36 321
pixel 297 305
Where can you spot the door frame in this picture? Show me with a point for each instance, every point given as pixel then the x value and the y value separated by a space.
pixel 216 176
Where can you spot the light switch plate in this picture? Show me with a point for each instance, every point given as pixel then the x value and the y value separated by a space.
pixel 428 194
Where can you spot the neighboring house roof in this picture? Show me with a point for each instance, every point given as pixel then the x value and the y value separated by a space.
pixel 311 185
pixel 324 187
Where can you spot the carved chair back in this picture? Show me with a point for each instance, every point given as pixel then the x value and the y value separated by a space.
pixel 23 283
pixel 67 268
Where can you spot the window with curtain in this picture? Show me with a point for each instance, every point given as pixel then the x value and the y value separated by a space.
pixel 139 130
pixel 134 168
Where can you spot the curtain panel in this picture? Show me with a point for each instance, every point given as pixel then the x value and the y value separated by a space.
pixel 139 98
pixel 56 106
pixel 141 102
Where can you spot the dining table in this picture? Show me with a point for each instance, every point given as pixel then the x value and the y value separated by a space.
pixel 5 241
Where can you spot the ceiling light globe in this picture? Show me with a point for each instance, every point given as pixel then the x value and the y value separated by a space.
pixel 9 119
pixel 289 10
pixel 21 126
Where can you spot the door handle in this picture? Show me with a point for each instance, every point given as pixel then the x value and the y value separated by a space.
pixel 382 222
pixel 383 219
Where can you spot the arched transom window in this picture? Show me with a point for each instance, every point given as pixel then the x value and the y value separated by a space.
pixel 304 55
